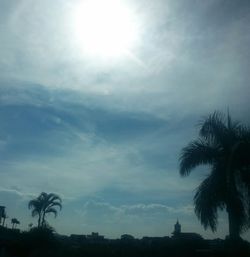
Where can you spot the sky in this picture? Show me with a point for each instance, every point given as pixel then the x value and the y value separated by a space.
pixel 104 129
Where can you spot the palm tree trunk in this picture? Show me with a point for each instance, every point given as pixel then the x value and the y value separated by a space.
pixel 39 221
pixel 232 205
pixel 43 219
pixel 234 232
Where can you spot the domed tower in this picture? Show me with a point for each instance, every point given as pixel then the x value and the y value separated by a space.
pixel 177 228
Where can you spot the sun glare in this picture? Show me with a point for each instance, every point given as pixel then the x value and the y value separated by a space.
pixel 104 28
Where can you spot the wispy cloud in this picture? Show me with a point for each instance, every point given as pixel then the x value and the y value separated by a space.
pixel 124 217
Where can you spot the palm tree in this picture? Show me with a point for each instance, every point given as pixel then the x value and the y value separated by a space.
pixel 224 146
pixel 4 218
pixel 14 222
pixel 43 205
pixel 2 215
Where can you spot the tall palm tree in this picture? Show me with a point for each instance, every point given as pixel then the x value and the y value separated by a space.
pixel 43 205
pixel 224 146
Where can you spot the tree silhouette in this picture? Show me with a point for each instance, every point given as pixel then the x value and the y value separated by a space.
pixel 15 222
pixel 4 217
pixel 43 205
pixel 224 145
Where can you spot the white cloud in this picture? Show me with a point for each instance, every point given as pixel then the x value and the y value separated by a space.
pixel 139 220
pixel 104 216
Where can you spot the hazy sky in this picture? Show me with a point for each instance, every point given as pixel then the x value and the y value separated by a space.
pixel 105 132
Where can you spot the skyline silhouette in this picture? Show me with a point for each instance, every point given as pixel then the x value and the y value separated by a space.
pixel 223 146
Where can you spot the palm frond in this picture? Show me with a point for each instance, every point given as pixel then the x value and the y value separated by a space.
pixel 52 200
pixel 51 210
pixel 207 200
pixel 196 153
pixel 54 204
pixel 53 197
pixel 33 203
pixel 42 197
pixel 214 127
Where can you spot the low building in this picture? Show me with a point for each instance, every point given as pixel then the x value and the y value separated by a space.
pixel 95 236
pixel 77 238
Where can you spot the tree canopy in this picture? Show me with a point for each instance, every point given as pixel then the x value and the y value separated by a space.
pixel 45 204
pixel 224 146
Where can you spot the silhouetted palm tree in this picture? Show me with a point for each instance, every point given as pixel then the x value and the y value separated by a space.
pixel 224 145
pixel 14 222
pixel 4 216
pixel 43 205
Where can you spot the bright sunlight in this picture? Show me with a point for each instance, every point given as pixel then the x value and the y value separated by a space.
pixel 104 28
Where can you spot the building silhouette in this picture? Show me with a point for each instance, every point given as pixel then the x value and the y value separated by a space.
pixel 177 234
pixel 177 228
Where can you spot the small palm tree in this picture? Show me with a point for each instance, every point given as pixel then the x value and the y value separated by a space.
pixel 43 205
pixel 4 216
pixel 224 146
pixel 15 222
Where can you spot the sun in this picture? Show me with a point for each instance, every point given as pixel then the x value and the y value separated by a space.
pixel 104 27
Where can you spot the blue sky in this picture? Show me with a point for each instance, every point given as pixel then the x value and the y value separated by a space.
pixel 105 133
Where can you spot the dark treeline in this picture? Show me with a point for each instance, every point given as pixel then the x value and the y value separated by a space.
pixel 44 242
